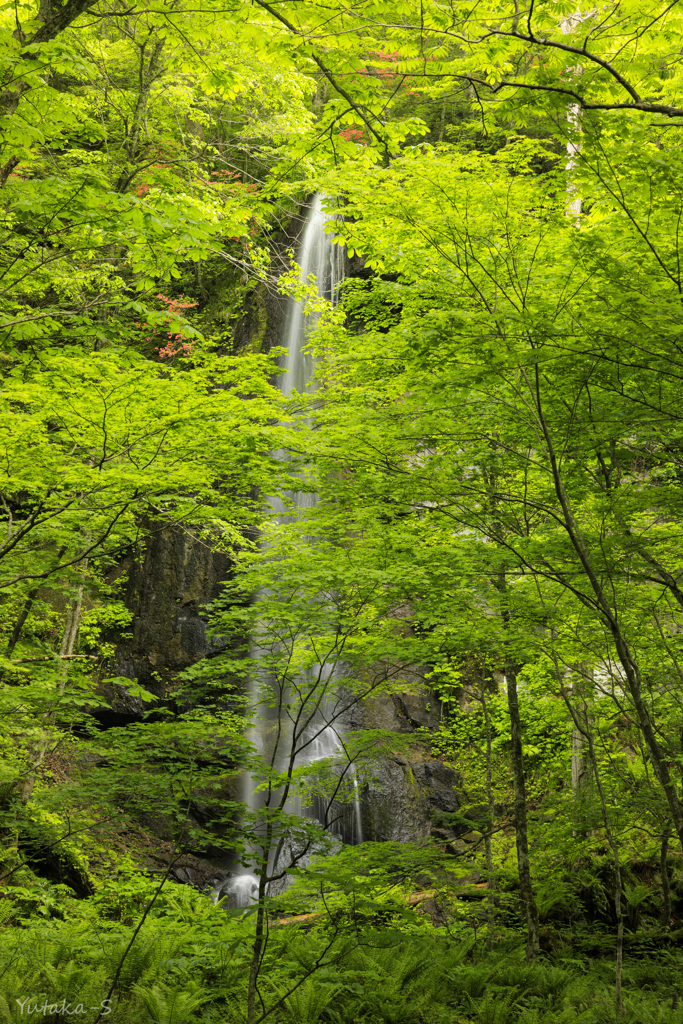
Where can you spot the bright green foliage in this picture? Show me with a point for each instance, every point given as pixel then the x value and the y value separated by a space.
pixel 125 192
pixel 93 441
pixel 497 453
pixel 501 427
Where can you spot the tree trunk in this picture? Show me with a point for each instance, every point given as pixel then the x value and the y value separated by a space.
pixel 25 785
pixel 52 18
pixel 260 934
pixel 579 776
pixel 19 624
pixel 491 895
pixel 149 70
pixel 666 888
pixel 581 763
pixel 73 620
pixel 521 830
pixel 517 758
pixel 588 736
pixel 256 952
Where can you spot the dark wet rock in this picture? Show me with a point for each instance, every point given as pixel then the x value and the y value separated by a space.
pixel 476 819
pixel 439 781
pixel 478 813
pixel 403 800
pixel 168 584
pixel 415 708
pixel 188 869
pixel 193 871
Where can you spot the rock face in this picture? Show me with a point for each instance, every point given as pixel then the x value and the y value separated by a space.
pixel 415 708
pixel 404 800
pixel 167 586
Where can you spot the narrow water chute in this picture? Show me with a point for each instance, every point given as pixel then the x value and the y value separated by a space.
pixel 320 257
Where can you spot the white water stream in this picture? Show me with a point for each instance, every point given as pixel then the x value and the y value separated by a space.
pixel 316 256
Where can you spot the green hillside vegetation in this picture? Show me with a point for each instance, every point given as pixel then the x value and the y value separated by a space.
pixel 495 437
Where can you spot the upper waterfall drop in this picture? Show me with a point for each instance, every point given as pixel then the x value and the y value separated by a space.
pixel 317 255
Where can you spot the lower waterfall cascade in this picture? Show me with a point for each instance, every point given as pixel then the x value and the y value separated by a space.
pixel 317 256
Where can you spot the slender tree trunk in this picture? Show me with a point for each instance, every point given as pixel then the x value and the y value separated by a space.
pixel 664 869
pixel 491 895
pixel 521 828
pixel 104 1005
pixel 73 620
pixel 256 954
pixel 573 211
pixel 578 762
pixel 618 911
pixel 261 930
pixel 581 765
pixel 21 619
pixel 53 18
pixel 573 139
pixel 25 785
pixel 617 881
pixel 442 126
pixel 148 71
pixel 24 613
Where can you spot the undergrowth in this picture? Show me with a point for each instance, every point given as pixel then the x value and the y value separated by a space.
pixel 189 964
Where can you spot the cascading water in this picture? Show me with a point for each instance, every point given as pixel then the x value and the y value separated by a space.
pixel 317 256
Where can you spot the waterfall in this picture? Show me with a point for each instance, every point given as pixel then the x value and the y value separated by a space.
pixel 316 256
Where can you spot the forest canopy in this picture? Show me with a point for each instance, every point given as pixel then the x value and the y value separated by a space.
pixel 491 449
